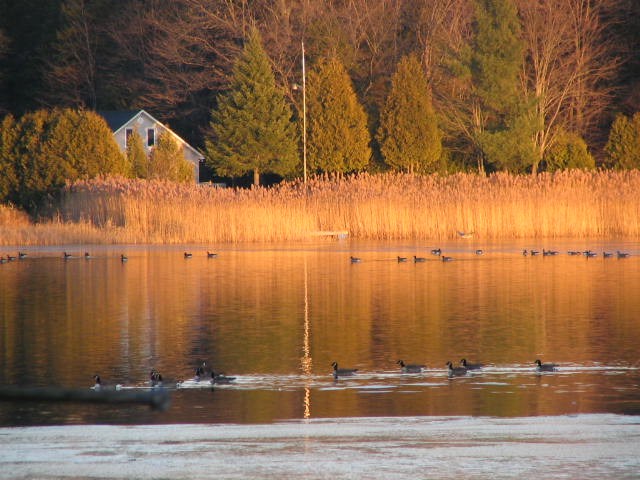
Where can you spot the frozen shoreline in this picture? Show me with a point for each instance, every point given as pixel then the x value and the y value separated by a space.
pixel 573 447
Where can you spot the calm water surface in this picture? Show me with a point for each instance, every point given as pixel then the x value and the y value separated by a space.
pixel 276 316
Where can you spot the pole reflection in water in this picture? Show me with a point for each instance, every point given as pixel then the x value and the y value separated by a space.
pixel 306 349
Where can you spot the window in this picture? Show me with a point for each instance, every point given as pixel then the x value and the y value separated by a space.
pixel 127 133
pixel 151 137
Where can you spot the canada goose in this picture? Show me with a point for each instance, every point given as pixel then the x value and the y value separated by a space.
pixel 524 252
pixel 355 259
pixel 87 255
pixel 436 251
pixel 456 371
pixel 402 259
pixel 535 252
pixel 545 367
pixel 419 259
pixel 98 385
pixel 479 251
pixel 66 255
pixel 446 259
pixel 199 373
pixel 342 372
pixel 607 254
pixel 156 378
pixel 471 366
pixel 211 255
pixel 123 258
pixel 188 255
pixel 22 255
pixel 621 254
pixel 410 368
pixel 220 378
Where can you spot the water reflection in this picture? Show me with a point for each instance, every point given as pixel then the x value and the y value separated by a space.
pixel 277 316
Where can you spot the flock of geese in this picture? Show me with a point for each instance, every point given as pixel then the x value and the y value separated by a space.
pixel 87 255
pixel 416 259
pixel 545 253
pixel 453 371
pixel 204 375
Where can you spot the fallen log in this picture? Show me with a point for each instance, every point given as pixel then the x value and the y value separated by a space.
pixel 157 398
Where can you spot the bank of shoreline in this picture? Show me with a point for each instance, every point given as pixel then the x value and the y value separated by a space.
pixel 571 204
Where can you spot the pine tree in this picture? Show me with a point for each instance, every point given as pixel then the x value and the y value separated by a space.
pixel 137 155
pixel 252 127
pixel 497 58
pixel 338 134
pixel 623 147
pixel 408 134
pixel 167 161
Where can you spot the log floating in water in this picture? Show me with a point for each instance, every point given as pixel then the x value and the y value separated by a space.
pixel 156 398
pixel 333 233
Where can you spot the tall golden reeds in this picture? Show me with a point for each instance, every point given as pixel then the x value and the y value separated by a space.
pixel 387 206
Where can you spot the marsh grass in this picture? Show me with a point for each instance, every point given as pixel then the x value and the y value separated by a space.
pixel 389 206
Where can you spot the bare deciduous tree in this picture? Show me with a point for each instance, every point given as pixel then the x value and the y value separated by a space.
pixel 570 61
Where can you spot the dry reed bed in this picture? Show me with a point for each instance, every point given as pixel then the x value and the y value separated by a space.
pixel 387 206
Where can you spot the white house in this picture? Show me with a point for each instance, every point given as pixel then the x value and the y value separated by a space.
pixel 123 122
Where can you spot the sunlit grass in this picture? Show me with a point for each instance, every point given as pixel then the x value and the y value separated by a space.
pixel 388 206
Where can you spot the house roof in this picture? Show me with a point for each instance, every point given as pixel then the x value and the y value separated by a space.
pixel 116 119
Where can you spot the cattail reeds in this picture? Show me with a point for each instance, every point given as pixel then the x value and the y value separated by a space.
pixel 577 204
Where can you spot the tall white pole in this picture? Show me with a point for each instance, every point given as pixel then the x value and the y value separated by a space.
pixel 304 116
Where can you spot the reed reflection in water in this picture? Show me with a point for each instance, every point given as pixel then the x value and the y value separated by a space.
pixel 276 316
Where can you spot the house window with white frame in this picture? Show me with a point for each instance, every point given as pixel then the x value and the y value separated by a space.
pixel 151 137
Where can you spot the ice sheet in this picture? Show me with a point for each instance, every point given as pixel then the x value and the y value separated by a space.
pixel 567 447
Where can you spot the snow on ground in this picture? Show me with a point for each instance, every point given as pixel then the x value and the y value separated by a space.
pixel 568 447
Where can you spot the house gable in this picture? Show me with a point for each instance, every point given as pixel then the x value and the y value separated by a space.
pixel 123 122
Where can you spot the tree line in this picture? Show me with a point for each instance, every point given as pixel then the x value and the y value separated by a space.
pixel 444 85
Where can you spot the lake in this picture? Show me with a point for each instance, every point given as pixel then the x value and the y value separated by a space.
pixel 277 316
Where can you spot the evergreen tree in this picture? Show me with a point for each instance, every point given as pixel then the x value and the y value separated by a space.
pixel 338 134
pixel 137 155
pixel 47 148
pixel 408 134
pixel 167 161
pixel 497 57
pixel 490 111
pixel 569 151
pixel 498 54
pixel 252 127
pixel 623 147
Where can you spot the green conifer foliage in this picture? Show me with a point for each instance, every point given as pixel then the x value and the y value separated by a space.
pixel 408 134
pixel 569 151
pixel 167 161
pixel 252 127
pixel 47 148
pixel 137 155
pixel 623 147
pixel 338 135
pixel 497 55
